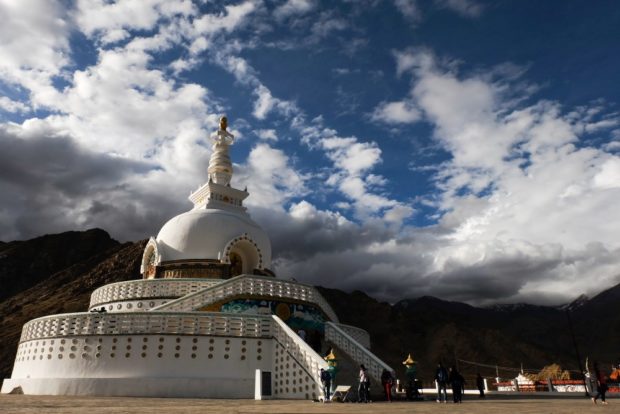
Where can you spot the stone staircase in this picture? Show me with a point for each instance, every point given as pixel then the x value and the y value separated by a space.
pixel 348 373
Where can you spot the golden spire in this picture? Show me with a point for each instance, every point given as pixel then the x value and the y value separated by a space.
pixel 331 356
pixel 409 360
pixel 223 123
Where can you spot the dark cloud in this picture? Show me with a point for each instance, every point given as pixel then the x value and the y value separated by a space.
pixel 403 268
pixel 300 238
pixel 48 183
pixel 58 163
pixel 497 280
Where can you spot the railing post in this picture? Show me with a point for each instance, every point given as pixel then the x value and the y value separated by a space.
pixel 258 385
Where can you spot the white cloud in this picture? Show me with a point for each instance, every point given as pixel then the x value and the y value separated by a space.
pixel 271 181
pixel 293 8
pixel 398 213
pixel 409 9
pixel 466 8
pixel 524 208
pixel 531 196
pixel 351 155
pixel 34 44
pixel 121 105
pixel 267 134
pixel 264 102
pixel 399 112
pixel 9 105
pixel 609 175
pixel 235 16
pixel 326 25
pixel 110 20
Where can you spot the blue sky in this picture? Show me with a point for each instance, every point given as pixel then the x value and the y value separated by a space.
pixel 457 148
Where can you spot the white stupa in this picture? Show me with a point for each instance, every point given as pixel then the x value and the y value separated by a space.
pixel 208 319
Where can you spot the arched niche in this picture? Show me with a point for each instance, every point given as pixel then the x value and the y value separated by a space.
pixel 150 260
pixel 243 254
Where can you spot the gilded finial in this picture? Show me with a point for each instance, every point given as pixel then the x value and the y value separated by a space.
pixel 223 123
pixel 409 360
pixel 331 356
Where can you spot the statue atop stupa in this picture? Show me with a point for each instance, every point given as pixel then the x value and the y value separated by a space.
pixel 220 167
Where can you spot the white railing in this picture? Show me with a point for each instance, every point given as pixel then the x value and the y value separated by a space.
pixel 148 288
pixel 137 323
pixel 355 350
pixel 301 352
pixel 356 333
pixel 245 285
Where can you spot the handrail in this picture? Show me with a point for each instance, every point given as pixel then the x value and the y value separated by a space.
pixel 137 323
pixel 355 350
pixel 359 334
pixel 301 352
pixel 250 285
pixel 148 288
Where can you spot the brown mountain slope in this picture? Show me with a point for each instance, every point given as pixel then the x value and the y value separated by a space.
pixel 24 263
pixel 64 292
pixel 429 328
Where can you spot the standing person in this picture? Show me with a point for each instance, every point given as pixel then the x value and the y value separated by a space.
pixel 441 377
pixel 480 385
pixel 457 382
pixel 387 381
pixel 302 334
pixel 326 380
pixel 362 390
pixel 601 384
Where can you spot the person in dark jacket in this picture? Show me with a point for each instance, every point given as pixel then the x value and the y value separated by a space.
pixel 601 384
pixel 480 385
pixel 326 380
pixel 387 381
pixel 441 377
pixel 457 382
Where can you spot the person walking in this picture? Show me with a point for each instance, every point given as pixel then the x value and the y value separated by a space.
pixel 326 380
pixel 387 381
pixel 480 385
pixel 441 378
pixel 362 390
pixel 601 385
pixel 457 382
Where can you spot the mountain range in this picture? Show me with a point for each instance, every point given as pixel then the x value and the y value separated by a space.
pixel 57 273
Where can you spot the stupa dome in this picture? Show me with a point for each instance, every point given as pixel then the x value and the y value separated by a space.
pixel 217 238
pixel 213 234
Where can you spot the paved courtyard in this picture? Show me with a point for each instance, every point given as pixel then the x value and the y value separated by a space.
pixel 25 404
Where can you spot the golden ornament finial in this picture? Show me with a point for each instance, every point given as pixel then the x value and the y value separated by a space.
pixel 409 360
pixel 223 123
pixel 331 356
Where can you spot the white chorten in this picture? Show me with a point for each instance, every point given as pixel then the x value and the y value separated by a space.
pixel 217 238
pixel 209 319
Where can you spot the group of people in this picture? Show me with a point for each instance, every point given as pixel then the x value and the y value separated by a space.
pixel 363 390
pixel 600 378
pixel 452 377
pixel 443 376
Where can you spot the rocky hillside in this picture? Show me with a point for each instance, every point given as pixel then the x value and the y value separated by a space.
pixel 67 290
pixel 25 263
pixel 506 336
pixel 61 271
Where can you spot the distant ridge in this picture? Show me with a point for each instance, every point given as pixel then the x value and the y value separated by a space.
pixel 57 273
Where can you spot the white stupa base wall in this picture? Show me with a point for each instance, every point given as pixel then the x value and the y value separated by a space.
pixel 161 364
pixel 135 387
